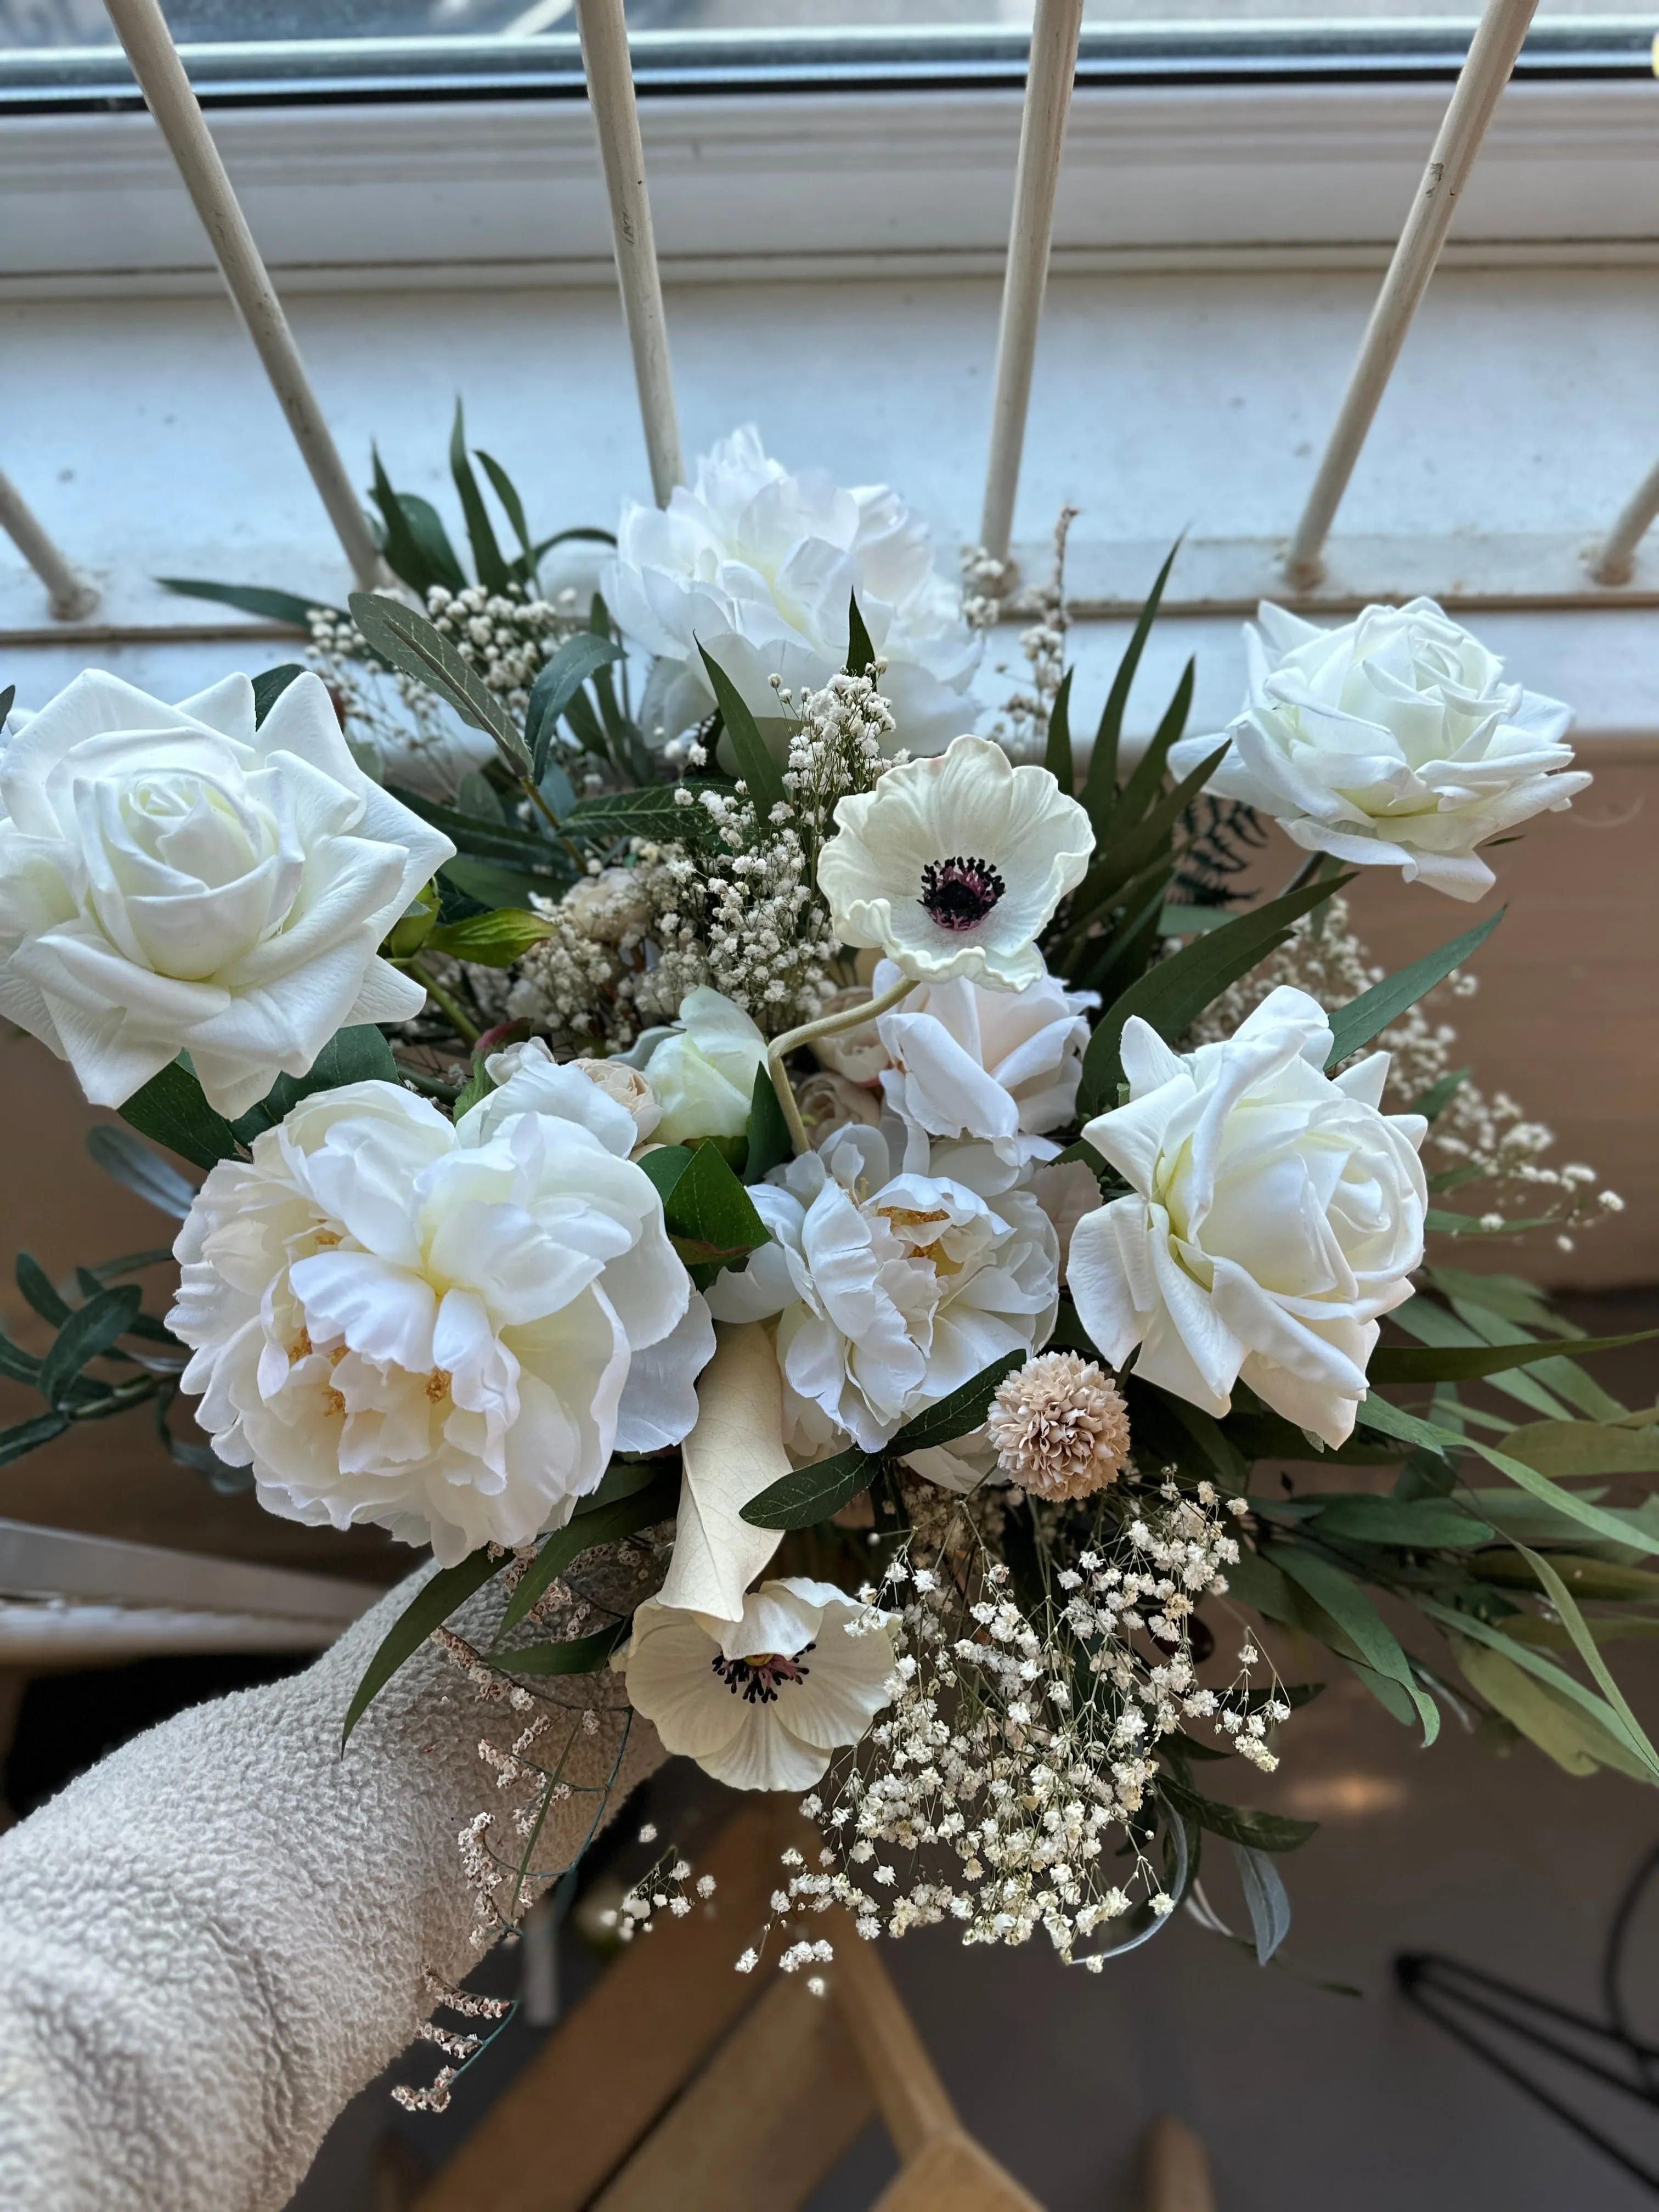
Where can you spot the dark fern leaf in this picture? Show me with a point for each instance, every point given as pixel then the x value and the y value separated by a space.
pixel 1225 837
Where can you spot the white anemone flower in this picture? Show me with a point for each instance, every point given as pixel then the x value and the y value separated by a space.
pixel 447 1330
pixel 894 1278
pixel 1392 741
pixel 952 866
pixel 760 566
pixel 1274 1212
pixel 761 1702
pixel 176 878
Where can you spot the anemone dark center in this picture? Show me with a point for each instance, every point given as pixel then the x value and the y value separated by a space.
pixel 756 1679
pixel 960 893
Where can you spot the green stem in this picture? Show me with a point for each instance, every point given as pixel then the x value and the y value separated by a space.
pixel 553 822
pixel 446 1003
pixel 850 1017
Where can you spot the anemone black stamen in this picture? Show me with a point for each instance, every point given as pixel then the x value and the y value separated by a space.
pixel 756 1679
pixel 958 893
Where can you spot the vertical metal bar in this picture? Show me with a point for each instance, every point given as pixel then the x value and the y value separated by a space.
pixel 1615 560
pixel 1485 73
pixel 610 92
pixel 160 74
pixel 69 595
pixel 1042 138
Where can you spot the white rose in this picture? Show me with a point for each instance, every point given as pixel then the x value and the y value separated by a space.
pixel 446 1330
pixel 760 566
pixel 703 1074
pixel 1392 741
pixel 171 877
pixel 1000 1066
pixel 893 1287
pixel 1274 1212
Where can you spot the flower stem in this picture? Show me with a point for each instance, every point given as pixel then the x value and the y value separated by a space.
pixel 537 800
pixel 448 1005
pixel 850 1017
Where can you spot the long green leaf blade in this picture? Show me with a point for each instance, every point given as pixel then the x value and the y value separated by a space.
pixel 580 1655
pixel 1453 1363
pixel 1057 751
pixel 959 1414
pixel 251 599
pixel 1100 787
pixel 429 1607
pixel 603 1522
pixel 1336 1593
pixel 755 762
pixel 1371 1013
pixel 88 1332
pixel 811 1494
pixel 492 571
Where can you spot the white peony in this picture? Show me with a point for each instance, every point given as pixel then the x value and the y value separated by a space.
pixel 171 877
pixel 761 1702
pixel 1002 1067
pixel 1392 741
pixel 952 866
pixel 444 1330
pixel 893 1284
pixel 760 566
pixel 701 1073
pixel 1274 1212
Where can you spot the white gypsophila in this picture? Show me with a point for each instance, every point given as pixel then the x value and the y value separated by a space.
pixel 701 1073
pixel 761 1703
pixel 1002 1066
pixel 895 1277
pixel 174 877
pixel 952 866
pixel 443 1329
pixel 1274 1212
pixel 759 566
pixel 1392 741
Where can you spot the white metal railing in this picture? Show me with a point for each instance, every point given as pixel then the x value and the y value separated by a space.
pixel 1556 574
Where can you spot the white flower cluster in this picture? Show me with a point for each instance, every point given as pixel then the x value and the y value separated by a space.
pixel 1023 1731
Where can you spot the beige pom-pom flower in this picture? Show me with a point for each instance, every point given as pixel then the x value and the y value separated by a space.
pixel 1059 1427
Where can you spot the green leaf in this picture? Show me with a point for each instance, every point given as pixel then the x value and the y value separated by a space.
pixel 358 1055
pixel 512 506
pixel 1584 1576
pixel 88 1333
pixel 1172 995
pixel 412 538
pixel 268 688
pixel 597 1521
pixel 1139 792
pixel 1562 1374
pixel 1433 1102
pixel 1057 755
pixel 1257 1583
pixel 1452 1363
pixel 1543 1670
pixel 1236 1824
pixel 8 699
pixel 1573 1738
pixel 959 1414
pixel 860 654
pixel 251 599
pixel 171 1109
pixel 29 1436
pixel 429 1607
pixel 120 1154
pixel 397 635
pixel 1423 1523
pixel 40 1292
pixel 1266 1899
pixel 581 1655
pixel 1132 852
pixel 811 1494
pixel 654 813
pixel 1580 1448
pixel 1567 1608
pixel 755 762
pixel 710 1216
pixel 491 940
pixel 498 841
pixel 492 571
pixel 490 887
pixel 576 659
pixel 1371 1012
pixel 1432 1325
pixel 17 1365
pixel 1100 787
pixel 1339 1595
pixel 769 1143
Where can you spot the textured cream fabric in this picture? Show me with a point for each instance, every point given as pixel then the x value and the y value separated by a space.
pixel 215 1939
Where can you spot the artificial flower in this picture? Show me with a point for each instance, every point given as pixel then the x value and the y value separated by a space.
pixel 829 1102
pixel 1000 1066
pixel 893 1286
pixel 630 1091
pixel 858 1056
pixel 1059 1426
pixel 1274 1213
pixel 174 877
pixel 1392 741
pixel 952 866
pixel 701 1073
pixel 761 1702
pixel 443 1329
pixel 759 568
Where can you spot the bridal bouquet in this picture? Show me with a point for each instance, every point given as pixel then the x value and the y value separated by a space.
pixel 864 1230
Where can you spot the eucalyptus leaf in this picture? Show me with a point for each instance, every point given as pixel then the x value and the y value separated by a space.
pixel 1338 1595
pixel 1393 1363
pixel 959 1414
pixel 656 812
pixel 29 1436
pixel 769 1141
pixel 171 1109
pixel 90 1330
pixel 577 659
pixel 40 1292
pixel 268 688
pixel 397 635
pixel 494 574
pixel 1422 1523
pixel 810 1494
pixel 1264 1899
pixel 1236 1824
pixel 120 1154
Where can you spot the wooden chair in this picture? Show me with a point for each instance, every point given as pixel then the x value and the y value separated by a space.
pixel 680 2083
